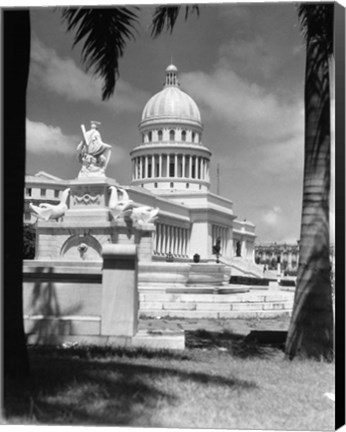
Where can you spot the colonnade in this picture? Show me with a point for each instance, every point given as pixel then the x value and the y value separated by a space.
pixel 289 258
pixel 171 239
pixel 170 165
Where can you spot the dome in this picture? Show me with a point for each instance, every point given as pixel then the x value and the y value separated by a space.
pixel 171 103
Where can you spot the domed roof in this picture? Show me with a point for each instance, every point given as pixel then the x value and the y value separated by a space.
pixel 171 103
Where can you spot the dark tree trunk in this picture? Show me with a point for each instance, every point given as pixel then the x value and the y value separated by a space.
pixel 311 330
pixel 16 57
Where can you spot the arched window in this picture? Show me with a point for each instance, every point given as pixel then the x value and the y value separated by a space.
pixel 193 136
pixel 187 185
pixel 171 135
pixel 159 135
pixel 143 138
pixel 150 136
pixel 171 185
pixel 183 135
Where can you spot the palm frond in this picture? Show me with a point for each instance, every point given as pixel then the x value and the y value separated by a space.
pixel 317 23
pixel 166 16
pixel 104 33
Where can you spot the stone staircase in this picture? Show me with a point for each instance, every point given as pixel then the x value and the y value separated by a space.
pixel 211 303
pixel 243 267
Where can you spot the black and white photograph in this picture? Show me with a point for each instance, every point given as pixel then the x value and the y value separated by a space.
pixel 170 256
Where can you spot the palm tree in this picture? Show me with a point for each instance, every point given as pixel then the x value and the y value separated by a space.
pixel 310 333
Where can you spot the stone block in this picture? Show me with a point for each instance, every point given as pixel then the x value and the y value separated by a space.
pixel 273 306
pixel 213 307
pixel 246 306
pixel 120 302
pixel 151 305
pixel 179 306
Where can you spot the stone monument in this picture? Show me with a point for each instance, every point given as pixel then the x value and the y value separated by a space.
pixel 93 153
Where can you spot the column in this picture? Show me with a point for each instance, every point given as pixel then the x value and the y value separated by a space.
pixel 153 166
pixel 168 165
pixel 190 167
pixel 175 165
pixel 160 165
pixel 146 166
pixel 183 167
pixel 140 167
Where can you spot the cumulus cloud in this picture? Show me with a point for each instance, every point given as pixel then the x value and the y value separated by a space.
pixel 63 77
pixel 42 138
pixel 245 106
pixel 47 139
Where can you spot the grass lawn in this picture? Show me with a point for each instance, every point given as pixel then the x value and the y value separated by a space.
pixel 218 381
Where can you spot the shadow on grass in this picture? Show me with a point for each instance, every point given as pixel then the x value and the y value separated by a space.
pixel 68 387
pixel 258 344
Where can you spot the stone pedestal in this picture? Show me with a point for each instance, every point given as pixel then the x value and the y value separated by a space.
pixel 88 225
pixel 119 314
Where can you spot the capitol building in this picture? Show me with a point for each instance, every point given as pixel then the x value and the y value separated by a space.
pixel 170 170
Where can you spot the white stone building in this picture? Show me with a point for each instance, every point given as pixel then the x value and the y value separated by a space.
pixel 171 171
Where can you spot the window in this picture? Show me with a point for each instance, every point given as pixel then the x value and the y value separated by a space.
pixel 159 135
pixel 150 136
pixel 29 192
pixel 155 185
pixel 171 135
pixel 56 194
pixel 183 135
pixel 193 136
pixel 187 185
pixel 171 185
pixel 43 192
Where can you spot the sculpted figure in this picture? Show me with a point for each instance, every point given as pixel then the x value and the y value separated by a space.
pixel 119 201
pixel 144 214
pixel 93 153
pixel 47 211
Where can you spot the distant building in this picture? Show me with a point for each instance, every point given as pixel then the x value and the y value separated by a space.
pixel 170 169
pixel 270 254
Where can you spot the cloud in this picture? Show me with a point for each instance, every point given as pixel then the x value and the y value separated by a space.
pixel 246 107
pixel 42 138
pixel 46 139
pixel 273 216
pixel 63 77
pixel 244 54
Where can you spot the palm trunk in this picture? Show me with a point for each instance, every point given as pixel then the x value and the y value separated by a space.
pixel 16 27
pixel 311 329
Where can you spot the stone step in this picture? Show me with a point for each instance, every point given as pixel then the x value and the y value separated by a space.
pixel 249 297
pixel 206 305
pixel 261 314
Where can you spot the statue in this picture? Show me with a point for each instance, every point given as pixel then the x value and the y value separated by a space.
pixel 47 211
pixel 119 204
pixel 144 214
pixel 93 153
pixel 217 249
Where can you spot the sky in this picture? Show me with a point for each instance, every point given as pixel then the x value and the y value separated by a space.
pixel 242 63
